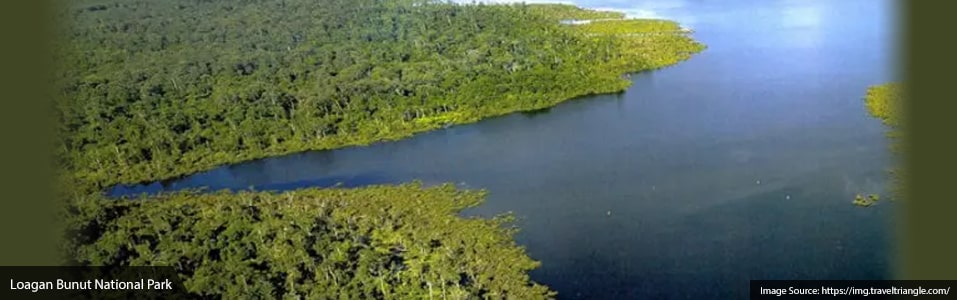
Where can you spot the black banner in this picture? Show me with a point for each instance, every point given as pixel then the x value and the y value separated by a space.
pixel 853 289
pixel 91 283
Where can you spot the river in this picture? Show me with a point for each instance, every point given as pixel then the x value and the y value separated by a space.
pixel 740 163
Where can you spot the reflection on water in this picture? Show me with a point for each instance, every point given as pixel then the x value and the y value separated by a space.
pixel 738 164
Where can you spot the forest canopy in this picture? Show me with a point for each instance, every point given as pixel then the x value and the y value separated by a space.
pixel 380 242
pixel 157 89
pixel 152 90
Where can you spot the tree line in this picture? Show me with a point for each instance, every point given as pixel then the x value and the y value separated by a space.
pixel 150 90
pixel 158 89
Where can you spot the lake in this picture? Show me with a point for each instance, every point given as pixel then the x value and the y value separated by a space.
pixel 740 163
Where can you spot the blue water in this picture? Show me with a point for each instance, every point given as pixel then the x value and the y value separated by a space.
pixel 738 164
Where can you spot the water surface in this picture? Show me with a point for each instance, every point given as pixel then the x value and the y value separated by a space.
pixel 738 164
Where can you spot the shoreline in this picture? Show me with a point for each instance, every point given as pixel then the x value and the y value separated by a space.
pixel 620 31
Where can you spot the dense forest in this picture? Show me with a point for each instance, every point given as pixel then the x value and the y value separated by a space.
pixel 380 242
pixel 151 90
pixel 158 89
